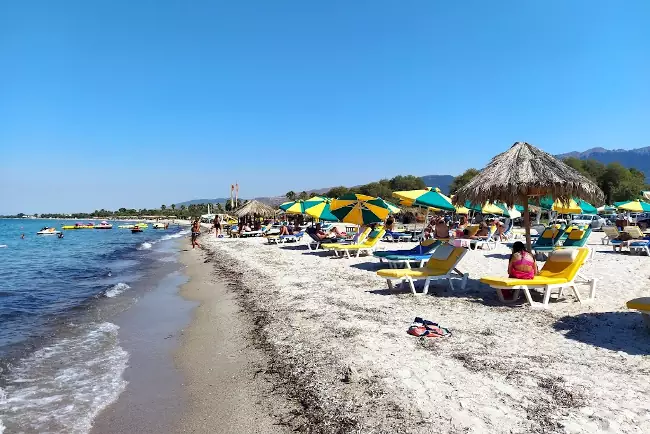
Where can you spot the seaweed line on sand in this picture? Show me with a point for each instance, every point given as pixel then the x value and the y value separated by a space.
pixel 313 380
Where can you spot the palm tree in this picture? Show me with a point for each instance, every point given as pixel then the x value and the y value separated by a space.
pixel 291 195
pixel 163 207
pixel 173 206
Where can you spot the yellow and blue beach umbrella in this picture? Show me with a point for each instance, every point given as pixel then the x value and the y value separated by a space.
pixel 633 205
pixel 359 209
pixel 293 207
pixel 320 208
pixel 431 197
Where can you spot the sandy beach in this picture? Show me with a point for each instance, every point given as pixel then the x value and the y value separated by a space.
pixel 336 344
pixel 224 374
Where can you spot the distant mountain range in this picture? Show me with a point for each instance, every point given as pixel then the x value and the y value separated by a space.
pixel 441 181
pixel 637 158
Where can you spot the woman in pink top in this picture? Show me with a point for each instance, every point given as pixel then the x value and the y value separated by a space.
pixel 522 264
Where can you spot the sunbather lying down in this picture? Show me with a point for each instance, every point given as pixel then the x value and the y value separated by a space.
pixel 318 233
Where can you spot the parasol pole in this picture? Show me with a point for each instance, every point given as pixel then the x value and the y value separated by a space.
pixel 527 225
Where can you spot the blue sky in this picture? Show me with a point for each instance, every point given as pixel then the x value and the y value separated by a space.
pixel 135 104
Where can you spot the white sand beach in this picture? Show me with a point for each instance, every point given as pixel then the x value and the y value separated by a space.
pixel 574 368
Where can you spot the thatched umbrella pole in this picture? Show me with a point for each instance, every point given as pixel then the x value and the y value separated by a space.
pixel 529 245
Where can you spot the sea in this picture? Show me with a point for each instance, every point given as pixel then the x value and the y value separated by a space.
pixel 61 360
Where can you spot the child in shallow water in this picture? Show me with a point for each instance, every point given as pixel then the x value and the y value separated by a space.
pixel 522 264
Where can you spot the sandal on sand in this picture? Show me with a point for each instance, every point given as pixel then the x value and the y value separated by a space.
pixel 425 328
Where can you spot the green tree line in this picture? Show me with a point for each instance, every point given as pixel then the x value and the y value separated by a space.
pixel 383 188
pixel 616 181
pixel 182 211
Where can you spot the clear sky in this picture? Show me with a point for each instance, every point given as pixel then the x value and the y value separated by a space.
pixel 139 103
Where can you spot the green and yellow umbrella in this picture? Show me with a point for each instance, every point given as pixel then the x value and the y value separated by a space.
pixel 633 205
pixel 359 209
pixel 432 198
pixel 320 208
pixel 293 207
pixel 488 208
pixel 574 206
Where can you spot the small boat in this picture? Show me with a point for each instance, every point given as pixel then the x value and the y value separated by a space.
pixel 135 230
pixel 48 231
pixel 159 225
pixel 79 226
pixel 104 225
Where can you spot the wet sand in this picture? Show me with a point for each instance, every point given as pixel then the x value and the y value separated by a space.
pixel 225 392
pixel 192 371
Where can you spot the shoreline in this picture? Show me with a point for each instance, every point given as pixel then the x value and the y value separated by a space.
pixel 193 366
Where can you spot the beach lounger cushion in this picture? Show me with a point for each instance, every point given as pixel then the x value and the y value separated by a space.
pixel 576 234
pixel 435 266
pixel 641 303
pixel 434 269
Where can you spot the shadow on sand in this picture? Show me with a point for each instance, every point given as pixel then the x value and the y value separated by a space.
pixel 474 292
pixel 369 266
pixel 505 256
pixel 616 331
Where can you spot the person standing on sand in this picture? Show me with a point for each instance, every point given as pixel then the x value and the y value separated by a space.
pixel 196 231
pixel 217 226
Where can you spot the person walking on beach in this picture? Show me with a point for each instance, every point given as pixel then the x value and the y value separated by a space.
pixel 196 231
pixel 217 226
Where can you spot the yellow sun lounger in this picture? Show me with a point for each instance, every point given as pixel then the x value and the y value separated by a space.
pixel 367 246
pixel 559 272
pixel 442 265
pixel 642 305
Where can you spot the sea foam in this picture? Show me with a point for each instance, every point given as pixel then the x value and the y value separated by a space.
pixel 144 246
pixel 116 290
pixel 62 387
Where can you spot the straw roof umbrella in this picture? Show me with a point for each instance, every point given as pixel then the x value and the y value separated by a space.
pixel 525 171
pixel 255 208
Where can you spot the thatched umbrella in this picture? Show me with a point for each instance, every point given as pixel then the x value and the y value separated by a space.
pixel 255 208
pixel 525 172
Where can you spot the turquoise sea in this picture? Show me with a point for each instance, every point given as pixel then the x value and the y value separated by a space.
pixel 60 357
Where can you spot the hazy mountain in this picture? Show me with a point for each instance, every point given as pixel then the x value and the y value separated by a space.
pixel 637 158
pixel 441 181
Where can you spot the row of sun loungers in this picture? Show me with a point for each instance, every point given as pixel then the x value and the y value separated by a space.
pixel 435 260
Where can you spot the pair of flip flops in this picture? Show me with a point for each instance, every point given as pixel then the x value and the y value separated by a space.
pixel 427 329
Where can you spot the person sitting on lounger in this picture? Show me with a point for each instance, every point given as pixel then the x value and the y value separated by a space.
pixel 390 223
pixel 522 264
pixel 286 229
pixel 483 231
pixel 336 233
pixel 441 229
pixel 318 234
pixel 462 224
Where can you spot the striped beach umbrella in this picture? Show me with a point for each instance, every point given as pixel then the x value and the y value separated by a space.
pixel 489 208
pixel 293 207
pixel 633 205
pixel 431 197
pixel 359 209
pixel 320 208
pixel 575 206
